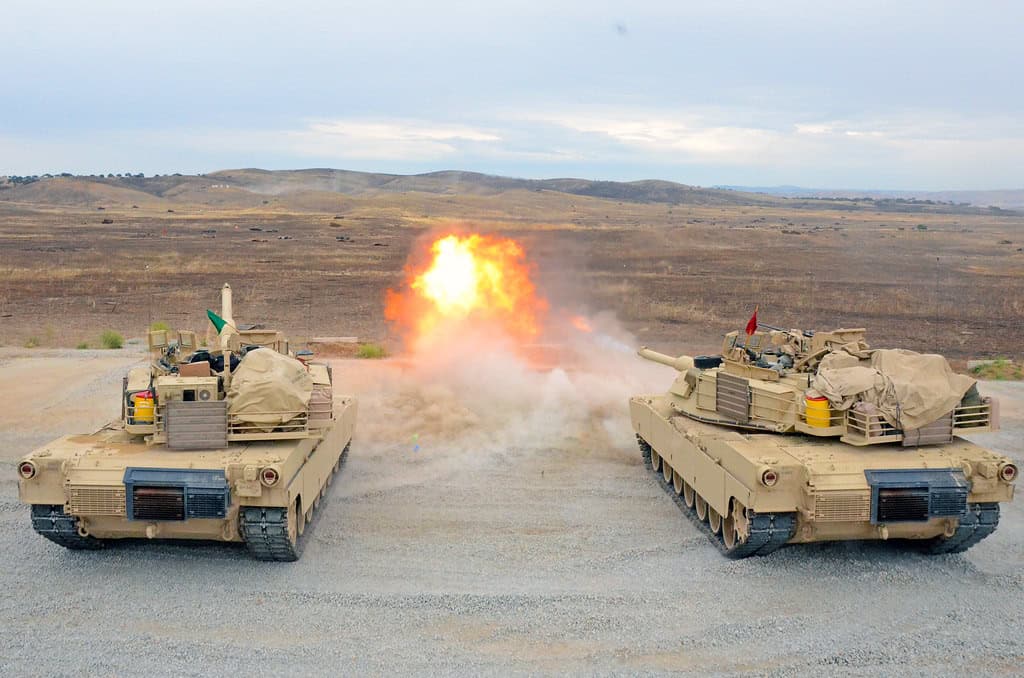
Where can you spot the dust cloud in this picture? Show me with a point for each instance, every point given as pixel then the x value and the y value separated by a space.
pixel 469 396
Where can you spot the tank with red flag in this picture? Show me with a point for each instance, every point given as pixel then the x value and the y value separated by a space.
pixel 785 437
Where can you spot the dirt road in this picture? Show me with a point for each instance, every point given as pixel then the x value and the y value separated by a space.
pixel 488 529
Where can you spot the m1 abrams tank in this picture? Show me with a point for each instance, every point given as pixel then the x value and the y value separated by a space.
pixel 236 444
pixel 795 436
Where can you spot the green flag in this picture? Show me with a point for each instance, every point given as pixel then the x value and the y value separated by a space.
pixel 217 321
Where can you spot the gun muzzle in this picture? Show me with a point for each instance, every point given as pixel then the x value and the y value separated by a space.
pixel 682 363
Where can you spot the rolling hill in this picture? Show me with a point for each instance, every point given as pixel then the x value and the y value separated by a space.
pixel 298 189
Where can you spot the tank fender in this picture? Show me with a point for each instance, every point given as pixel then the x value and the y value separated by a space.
pixel 715 463
pixel 645 411
pixel 47 486
pixel 651 416
pixel 735 490
pixel 746 461
pixel 318 458
pixel 700 470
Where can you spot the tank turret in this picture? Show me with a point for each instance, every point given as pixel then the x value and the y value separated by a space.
pixel 873 445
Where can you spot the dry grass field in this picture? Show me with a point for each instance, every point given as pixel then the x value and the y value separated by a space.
pixel 317 262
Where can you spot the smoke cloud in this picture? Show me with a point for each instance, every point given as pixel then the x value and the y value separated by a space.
pixel 468 396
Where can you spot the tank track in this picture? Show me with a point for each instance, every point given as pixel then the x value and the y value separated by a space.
pixel 768 531
pixel 51 522
pixel 981 521
pixel 265 528
pixel 265 531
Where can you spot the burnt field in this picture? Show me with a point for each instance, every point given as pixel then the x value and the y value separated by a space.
pixel 675 275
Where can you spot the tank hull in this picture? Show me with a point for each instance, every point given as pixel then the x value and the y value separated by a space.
pixel 821 489
pixel 111 485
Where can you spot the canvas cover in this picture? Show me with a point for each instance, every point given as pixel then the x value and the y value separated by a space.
pixel 909 389
pixel 269 388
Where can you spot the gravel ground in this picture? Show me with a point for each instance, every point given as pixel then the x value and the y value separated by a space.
pixel 484 552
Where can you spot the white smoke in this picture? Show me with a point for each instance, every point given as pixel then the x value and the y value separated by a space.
pixel 470 396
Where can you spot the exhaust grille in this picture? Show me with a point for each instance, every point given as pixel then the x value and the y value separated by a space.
pixel 842 507
pixel 207 504
pixel 902 504
pixel 158 503
pixel 949 502
pixel 176 493
pixel 96 501
pixel 917 495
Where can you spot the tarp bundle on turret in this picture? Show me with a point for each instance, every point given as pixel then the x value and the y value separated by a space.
pixel 269 388
pixel 909 389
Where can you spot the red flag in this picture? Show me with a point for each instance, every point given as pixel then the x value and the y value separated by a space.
pixel 752 323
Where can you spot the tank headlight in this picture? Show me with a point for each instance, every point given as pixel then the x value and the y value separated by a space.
pixel 27 470
pixel 1008 472
pixel 769 477
pixel 269 476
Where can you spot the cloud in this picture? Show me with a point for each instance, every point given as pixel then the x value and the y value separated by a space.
pixel 407 140
pixel 938 147
pixel 688 138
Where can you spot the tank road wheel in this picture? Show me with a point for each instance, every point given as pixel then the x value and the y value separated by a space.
pixel 688 495
pixel 745 533
pixel 742 533
pixel 293 518
pixel 729 536
pixel 666 472
pixel 702 508
pixel 714 520
pixel 300 518
pixel 655 461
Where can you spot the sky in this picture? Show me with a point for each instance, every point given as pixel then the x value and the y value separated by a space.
pixel 902 95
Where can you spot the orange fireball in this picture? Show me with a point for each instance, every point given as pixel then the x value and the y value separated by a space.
pixel 467 278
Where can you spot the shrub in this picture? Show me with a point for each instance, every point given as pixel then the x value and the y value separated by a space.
pixel 999 369
pixel 32 342
pixel 371 351
pixel 82 345
pixel 111 339
pixel 158 326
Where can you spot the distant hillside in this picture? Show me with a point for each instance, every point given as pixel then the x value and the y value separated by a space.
pixel 244 188
pixel 1012 199
pixel 455 183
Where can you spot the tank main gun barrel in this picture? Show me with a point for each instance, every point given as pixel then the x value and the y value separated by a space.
pixel 682 363
pixel 226 307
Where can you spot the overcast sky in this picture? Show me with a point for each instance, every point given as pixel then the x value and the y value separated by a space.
pixel 902 95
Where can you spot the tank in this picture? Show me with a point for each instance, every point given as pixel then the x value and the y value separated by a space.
pixel 237 443
pixel 793 436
